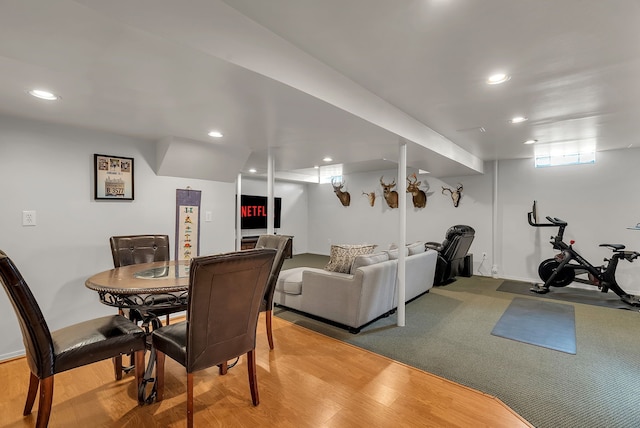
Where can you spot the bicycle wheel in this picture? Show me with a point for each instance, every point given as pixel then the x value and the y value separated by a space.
pixel 563 278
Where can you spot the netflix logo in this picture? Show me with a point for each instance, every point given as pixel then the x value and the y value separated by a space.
pixel 253 211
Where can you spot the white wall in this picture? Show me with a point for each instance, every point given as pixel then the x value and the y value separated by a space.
pixel 598 201
pixel 48 168
pixel 330 222
pixel 294 215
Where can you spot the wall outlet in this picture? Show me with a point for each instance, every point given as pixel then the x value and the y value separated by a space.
pixel 28 218
pixel 494 271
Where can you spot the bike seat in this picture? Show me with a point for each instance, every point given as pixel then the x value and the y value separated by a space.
pixel 615 247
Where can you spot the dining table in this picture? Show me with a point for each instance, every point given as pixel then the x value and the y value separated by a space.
pixel 143 290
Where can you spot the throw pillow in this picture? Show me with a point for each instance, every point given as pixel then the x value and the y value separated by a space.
pixel 342 256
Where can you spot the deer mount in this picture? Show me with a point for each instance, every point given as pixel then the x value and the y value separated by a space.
pixel 345 197
pixel 456 195
pixel 371 196
pixel 413 187
pixel 391 196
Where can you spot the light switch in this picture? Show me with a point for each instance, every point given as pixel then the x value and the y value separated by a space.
pixel 208 216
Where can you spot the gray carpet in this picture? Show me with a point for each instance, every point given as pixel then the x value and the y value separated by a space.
pixel 590 296
pixel 448 333
pixel 540 323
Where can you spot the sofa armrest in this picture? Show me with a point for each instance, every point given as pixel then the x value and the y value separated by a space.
pixel 352 300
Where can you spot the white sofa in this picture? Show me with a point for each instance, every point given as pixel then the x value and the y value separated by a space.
pixel 357 298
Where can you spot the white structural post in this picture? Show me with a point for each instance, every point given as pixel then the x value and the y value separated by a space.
pixel 402 244
pixel 239 212
pixel 270 199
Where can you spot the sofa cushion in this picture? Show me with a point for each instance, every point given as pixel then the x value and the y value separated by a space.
pixel 393 254
pixel 416 248
pixel 342 256
pixel 368 259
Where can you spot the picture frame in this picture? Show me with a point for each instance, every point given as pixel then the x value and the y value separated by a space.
pixel 113 178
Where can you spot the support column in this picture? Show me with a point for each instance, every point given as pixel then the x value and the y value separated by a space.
pixel 270 199
pixel 402 241
pixel 239 212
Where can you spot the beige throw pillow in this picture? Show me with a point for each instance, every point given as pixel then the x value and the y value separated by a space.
pixel 342 256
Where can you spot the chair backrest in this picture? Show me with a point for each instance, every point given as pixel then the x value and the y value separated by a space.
pixel 134 249
pixel 225 292
pixel 35 332
pixel 457 242
pixel 279 243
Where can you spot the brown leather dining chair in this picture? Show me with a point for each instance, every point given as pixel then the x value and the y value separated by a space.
pixel 225 292
pixel 51 352
pixel 279 243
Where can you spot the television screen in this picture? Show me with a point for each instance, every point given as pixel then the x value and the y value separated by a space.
pixel 253 214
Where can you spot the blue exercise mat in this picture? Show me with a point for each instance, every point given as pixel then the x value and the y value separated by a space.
pixel 540 323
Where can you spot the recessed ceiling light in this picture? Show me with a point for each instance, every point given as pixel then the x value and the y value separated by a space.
pixel 252 170
pixel 327 159
pixel 530 142
pixel 44 95
pixel 518 119
pixel 498 78
pixel 316 166
pixel 215 134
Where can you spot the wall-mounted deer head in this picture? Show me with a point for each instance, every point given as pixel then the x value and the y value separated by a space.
pixel 391 196
pixel 371 196
pixel 345 197
pixel 455 194
pixel 413 187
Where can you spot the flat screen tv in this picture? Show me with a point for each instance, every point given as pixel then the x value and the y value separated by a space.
pixel 253 212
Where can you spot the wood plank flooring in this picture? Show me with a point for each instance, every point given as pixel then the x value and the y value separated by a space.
pixel 309 380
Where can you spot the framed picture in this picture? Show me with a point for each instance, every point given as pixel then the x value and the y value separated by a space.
pixel 113 177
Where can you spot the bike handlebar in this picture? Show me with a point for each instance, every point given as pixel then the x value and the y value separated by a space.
pixel 553 222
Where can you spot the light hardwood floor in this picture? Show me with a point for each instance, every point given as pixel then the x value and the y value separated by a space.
pixel 309 380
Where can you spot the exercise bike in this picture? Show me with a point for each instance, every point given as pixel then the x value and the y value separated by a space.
pixel 562 269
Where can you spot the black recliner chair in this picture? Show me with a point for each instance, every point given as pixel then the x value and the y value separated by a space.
pixel 452 252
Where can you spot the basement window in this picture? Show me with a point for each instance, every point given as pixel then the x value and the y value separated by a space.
pixel 543 161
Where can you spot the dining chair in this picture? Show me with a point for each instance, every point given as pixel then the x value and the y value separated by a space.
pixel 225 292
pixel 51 352
pixel 135 249
pixel 279 243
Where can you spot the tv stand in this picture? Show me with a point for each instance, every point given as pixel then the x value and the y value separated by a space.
pixel 249 242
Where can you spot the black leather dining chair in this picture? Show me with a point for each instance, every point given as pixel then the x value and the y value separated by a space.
pixel 135 249
pixel 51 352
pixel 279 243
pixel 225 292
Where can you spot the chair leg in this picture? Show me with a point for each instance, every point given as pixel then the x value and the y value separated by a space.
pixel 269 329
pixel 117 367
pixel 223 368
pixel 34 382
pixel 253 379
pixel 160 357
pixel 44 402
pixel 189 400
pixel 139 368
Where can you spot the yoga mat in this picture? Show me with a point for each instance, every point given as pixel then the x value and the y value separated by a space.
pixel 568 294
pixel 546 324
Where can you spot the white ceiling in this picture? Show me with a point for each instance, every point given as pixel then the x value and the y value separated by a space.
pixel 346 78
